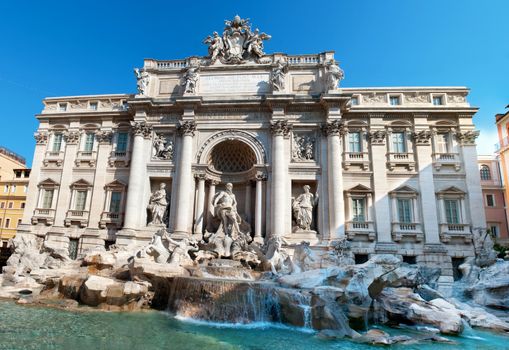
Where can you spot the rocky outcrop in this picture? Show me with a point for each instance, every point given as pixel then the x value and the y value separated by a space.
pixel 488 286
pixel 403 305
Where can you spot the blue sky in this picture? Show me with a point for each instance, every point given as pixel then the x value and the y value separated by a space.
pixel 59 48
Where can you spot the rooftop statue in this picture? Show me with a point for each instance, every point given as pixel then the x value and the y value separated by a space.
pixel 237 44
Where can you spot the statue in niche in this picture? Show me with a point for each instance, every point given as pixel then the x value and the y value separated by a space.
pixel 303 209
pixel 278 76
pixel 157 205
pixel 225 207
pixel 142 80
pixel 163 148
pixel 334 75
pixel 191 80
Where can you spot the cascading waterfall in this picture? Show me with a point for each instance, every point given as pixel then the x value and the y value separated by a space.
pixel 224 300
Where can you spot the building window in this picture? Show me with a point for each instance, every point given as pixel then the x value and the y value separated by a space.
pixel 10 205
pixel 25 188
pixel 6 189
pixel 359 209
pixel 405 210
pixel 122 142
pixel 22 205
pixel 437 100
pixel 354 142
pixel 116 197
pixel 490 200
pixel 2 205
pixel 398 142
pixel 62 107
pixel 355 101
pixel 485 172
pixel 442 143
pixel 13 188
pixel 19 222
pixel 452 213
pixel 89 142
pixel 47 199
pixel 93 106
pixel 57 142
pixel 81 198
pixel 494 230
pixel 394 100
pixel 7 222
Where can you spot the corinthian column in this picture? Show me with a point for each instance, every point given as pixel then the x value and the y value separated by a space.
pixel 134 203
pixel 200 204
pixel 184 178
pixel 280 129
pixel 258 208
pixel 334 130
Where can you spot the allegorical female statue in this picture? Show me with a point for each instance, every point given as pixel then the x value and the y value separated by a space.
pixel 303 209
pixel 157 205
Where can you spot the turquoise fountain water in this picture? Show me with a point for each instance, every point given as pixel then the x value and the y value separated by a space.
pixel 23 327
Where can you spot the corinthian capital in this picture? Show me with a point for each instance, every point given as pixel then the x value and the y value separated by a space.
pixel 142 129
pixel 72 137
pixel 41 138
pixel 187 128
pixel 377 137
pixel 280 128
pixel 467 138
pixel 422 137
pixel 334 128
pixel 103 136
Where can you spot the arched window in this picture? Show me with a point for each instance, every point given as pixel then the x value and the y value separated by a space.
pixel 485 172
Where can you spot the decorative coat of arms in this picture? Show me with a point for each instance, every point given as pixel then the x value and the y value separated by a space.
pixel 237 44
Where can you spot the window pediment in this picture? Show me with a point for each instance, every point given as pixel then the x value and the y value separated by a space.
pixel 403 190
pixel 81 184
pixel 359 189
pixel 115 185
pixel 48 183
pixel 451 191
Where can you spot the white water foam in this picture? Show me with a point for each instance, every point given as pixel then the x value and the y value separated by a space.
pixel 253 325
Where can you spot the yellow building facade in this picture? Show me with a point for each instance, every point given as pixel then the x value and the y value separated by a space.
pixel 13 191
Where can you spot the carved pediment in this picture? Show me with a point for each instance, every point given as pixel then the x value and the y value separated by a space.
pixel 453 190
pixel 116 184
pixel 81 183
pixel 404 190
pixel 48 183
pixel 360 189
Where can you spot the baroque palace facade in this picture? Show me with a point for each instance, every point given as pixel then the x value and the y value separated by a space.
pixel 394 170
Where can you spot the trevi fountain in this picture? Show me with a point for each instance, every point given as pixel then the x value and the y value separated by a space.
pixel 273 275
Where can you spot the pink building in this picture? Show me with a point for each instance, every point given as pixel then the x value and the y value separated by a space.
pixel 493 196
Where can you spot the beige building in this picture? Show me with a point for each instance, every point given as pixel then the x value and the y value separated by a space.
pixel 13 191
pixel 394 170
